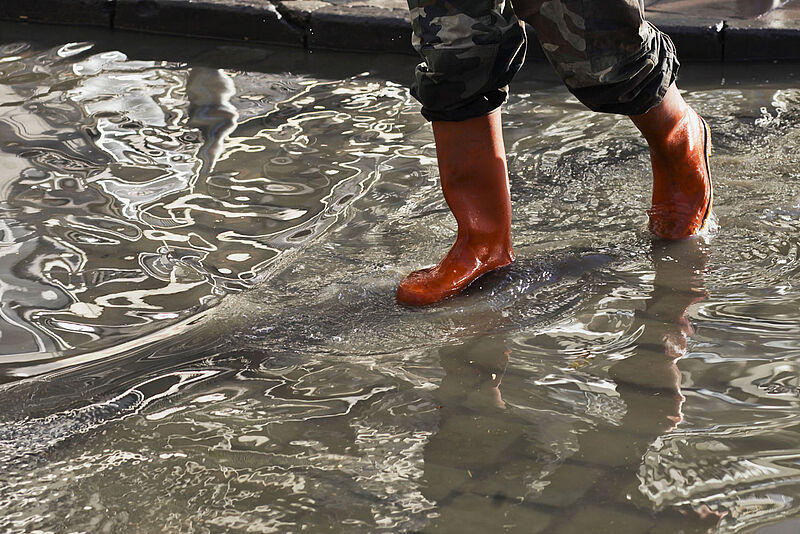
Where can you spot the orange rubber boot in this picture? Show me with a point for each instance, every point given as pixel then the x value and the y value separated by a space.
pixel 474 177
pixel 680 144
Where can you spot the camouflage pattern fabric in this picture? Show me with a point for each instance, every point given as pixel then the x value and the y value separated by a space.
pixel 608 55
pixel 471 48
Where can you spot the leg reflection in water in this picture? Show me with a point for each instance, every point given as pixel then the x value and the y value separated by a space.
pixel 492 468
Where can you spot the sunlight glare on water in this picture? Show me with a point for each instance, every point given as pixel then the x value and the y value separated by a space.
pixel 140 192
pixel 198 329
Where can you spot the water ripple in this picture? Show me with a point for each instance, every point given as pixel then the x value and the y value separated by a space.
pixel 186 184
pixel 199 330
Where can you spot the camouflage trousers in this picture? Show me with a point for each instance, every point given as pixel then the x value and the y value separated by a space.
pixel 606 53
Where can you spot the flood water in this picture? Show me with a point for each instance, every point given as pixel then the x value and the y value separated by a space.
pixel 199 247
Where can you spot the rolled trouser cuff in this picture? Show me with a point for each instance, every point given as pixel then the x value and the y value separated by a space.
pixel 477 106
pixel 646 78
pixel 606 53
pixel 471 52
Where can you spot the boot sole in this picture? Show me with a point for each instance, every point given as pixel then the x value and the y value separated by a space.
pixel 707 151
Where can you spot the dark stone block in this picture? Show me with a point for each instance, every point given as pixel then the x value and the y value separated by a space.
pixel 83 12
pixel 350 28
pixel 747 44
pixel 249 20
pixel 696 43
pixel 695 38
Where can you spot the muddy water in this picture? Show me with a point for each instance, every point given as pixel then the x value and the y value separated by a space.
pixel 198 330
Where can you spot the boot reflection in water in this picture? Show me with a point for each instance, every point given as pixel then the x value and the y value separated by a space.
pixel 495 466
pixel 628 67
pixel 609 456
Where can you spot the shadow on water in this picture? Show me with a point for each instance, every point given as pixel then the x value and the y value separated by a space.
pixel 198 330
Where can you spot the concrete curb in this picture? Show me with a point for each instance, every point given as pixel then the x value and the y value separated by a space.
pixel 78 12
pixel 241 20
pixel 378 30
pixel 378 25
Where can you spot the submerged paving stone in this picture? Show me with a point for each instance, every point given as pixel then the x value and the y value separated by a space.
pixel 475 513
pixel 249 20
pixel 84 12
pixel 444 480
pixel 597 450
pixel 587 519
pixel 568 484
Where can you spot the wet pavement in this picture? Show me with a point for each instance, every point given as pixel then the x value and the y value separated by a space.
pixel 199 250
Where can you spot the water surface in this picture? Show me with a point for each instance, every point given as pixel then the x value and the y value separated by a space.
pixel 198 329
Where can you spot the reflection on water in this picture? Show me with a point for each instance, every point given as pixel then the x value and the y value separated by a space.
pixel 199 332
pixel 137 193
pixel 494 465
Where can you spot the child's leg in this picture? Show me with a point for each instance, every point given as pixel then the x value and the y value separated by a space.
pixel 616 62
pixel 471 52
